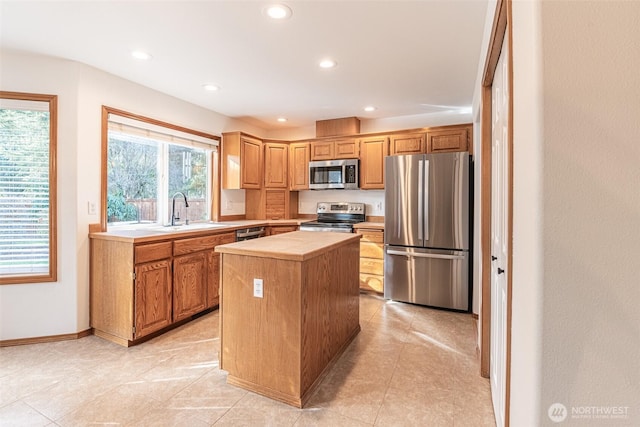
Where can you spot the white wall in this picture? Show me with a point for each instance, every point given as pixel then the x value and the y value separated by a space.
pixel 528 228
pixel 48 308
pixel 591 206
pixel 373 199
pixel 576 323
pixel 35 310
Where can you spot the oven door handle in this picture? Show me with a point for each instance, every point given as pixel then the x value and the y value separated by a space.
pixel 242 234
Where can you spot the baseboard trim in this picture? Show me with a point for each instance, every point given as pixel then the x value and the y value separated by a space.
pixel 50 338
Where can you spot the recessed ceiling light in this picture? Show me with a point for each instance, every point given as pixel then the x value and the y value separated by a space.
pixel 139 54
pixel 278 11
pixel 369 108
pixel 328 63
pixel 282 119
pixel 211 87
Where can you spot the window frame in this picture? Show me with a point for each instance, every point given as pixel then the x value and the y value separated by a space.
pixel 214 161
pixel 52 274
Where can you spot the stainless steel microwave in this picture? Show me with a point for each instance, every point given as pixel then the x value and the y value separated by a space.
pixel 333 174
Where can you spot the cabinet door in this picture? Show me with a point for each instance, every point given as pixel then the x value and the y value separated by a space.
pixel 372 154
pixel 251 162
pixel 407 144
pixel 447 140
pixel 276 165
pixel 346 149
pixel 189 284
pixel 213 284
pixel 213 272
pixel 152 297
pixel 322 150
pixel 299 154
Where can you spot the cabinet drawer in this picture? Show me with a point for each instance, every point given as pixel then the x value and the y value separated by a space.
pixel 152 252
pixel 371 282
pixel 372 266
pixel 373 236
pixel 371 250
pixel 195 244
pixel 282 229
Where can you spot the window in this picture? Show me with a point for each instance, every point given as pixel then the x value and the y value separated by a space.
pixel 27 188
pixel 151 163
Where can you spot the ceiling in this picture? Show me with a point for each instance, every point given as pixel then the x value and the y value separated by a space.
pixel 403 57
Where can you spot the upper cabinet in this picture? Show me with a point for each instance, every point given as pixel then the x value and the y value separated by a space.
pixel 344 148
pixel 241 161
pixel 299 155
pixel 372 153
pixel 408 143
pixel 439 139
pixel 449 138
pixel 276 165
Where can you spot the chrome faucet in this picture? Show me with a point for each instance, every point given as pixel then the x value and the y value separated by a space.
pixel 175 218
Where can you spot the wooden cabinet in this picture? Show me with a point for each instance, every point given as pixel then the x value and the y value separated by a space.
pixel 439 139
pixel 345 148
pixel 449 138
pixel 299 156
pixel 408 143
pixel 241 161
pixel 271 203
pixel 280 229
pixel 371 259
pixel 190 284
pixel 373 150
pixel 276 165
pixel 152 297
pixel 141 288
pixel 281 345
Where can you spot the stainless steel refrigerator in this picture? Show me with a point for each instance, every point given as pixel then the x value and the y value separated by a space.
pixel 426 229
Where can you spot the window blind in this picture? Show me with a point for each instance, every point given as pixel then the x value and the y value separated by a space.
pixel 159 133
pixel 24 187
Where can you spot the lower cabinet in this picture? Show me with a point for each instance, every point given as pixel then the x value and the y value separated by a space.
pixel 191 275
pixel 141 288
pixel 280 229
pixel 152 297
pixel 371 260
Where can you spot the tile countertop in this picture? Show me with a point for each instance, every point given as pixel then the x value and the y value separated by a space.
pixel 143 233
pixel 294 246
pixel 369 225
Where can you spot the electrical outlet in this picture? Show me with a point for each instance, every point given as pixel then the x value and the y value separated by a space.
pixel 91 208
pixel 257 288
pixel 379 206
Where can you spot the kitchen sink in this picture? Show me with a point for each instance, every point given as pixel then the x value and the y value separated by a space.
pixel 193 226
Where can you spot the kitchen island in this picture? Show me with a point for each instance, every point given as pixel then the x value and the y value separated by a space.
pixel 289 306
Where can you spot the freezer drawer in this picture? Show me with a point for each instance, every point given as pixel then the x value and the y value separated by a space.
pixel 437 278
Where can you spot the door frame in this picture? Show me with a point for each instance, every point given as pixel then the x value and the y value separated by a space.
pixel 502 25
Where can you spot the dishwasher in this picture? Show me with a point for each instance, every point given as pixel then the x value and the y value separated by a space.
pixel 249 233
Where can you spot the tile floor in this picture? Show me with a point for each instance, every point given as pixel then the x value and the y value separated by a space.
pixel 409 366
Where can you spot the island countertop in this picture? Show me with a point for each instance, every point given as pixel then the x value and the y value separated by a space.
pixel 294 246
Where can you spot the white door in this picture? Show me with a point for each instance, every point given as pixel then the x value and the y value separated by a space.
pixel 499 242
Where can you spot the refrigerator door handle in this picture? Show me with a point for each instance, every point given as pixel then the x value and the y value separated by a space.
pixel 421 255
pixel 420 201
pixel 426 201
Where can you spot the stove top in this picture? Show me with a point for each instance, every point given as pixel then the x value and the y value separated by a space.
pixel 336 216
